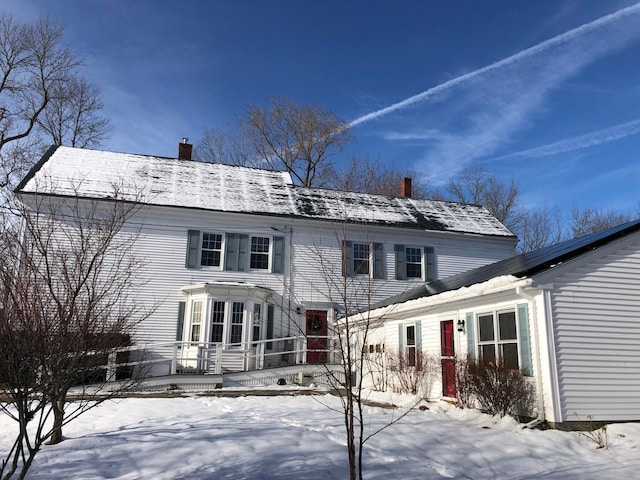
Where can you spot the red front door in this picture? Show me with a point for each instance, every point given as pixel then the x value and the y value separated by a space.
pixel 448 356
pixel 317 336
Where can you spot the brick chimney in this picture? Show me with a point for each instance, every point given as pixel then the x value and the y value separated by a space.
pixel 405 188
pixel 184 149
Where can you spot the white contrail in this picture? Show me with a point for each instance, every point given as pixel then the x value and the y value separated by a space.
pixel 576 143
pixel 564 37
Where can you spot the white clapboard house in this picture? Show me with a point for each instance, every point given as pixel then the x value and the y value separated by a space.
pixel 239 257
pixel 567 315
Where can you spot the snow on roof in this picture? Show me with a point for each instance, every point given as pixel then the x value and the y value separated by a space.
pixel 171 182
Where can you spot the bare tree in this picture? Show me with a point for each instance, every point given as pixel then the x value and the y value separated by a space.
pixel 304 140
pixel 589 220
pixel 364 175
pixel 539 228
pixel 352 291
pixel 229 147
pixel 68 287
pixel 475 185
pixel 38 72
pixel 73 116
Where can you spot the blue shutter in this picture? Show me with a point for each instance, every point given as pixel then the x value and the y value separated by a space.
pixel 347 258
pixel 193 247
pixel 429 264
pixel 378 260
pixel 278 255
pixel 180 326
pixel 469 325
pixel 401 270
pixel 525 339
pixel 418 336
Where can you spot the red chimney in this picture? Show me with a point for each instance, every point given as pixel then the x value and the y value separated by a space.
pixel 405 188
pixel 184 149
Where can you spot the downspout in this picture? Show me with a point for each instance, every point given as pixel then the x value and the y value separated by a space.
pixel 538 363
pixel 553 364
pixel 290 286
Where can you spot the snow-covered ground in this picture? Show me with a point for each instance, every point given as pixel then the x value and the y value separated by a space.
pixel 302 437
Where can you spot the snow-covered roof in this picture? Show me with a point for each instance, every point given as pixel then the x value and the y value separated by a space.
pixel 172 182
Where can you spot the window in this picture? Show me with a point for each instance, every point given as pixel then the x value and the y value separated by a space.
pixel 217 322
pixel 413 259
pixel 257 320
pixel 237 320
pixel 410 352
pixel 196 321
pixel 211 249
pixel 413 262
pixel 361 258
pixel 259 253
pixel 498 338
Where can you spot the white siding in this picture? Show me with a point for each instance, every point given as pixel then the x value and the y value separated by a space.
pixel 596 321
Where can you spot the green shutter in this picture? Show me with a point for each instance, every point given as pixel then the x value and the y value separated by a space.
pixel 231 251
pixel 378 260
pixel 243 252
pixel 429 264
pixel 525 339
pixel 236 252
pixel 347 258
pixel 469 326
pixel 401 271
pixel 278 255
pixel 193 247
pixel 180 326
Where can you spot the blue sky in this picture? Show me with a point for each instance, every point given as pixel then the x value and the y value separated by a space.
pixel 546 92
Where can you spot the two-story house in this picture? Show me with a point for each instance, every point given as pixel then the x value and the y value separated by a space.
pixel 236 257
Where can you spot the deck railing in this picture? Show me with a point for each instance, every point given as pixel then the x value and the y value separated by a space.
pixel 171 358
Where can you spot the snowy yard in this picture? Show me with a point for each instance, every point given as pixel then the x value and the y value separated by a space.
pixel 285 437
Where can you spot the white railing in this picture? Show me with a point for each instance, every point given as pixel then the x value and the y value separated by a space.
pixel 171 358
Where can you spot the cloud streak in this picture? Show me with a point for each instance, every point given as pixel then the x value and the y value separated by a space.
pixel 558 40
pixel 590 139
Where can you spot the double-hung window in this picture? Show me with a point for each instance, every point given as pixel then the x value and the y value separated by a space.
pixel 211 251
pixel 361 258
pixel 259 259
pixel 413 259
pixel 237 322
pixel 414 262
pixel 498 338
pixel 410 349
pixel 217 322
pixel 196 321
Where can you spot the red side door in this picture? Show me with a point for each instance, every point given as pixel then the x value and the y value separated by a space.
pixel 448 357
pixel 317 336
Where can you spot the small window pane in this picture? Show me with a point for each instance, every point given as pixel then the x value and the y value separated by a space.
pixel 411 335
pixel 507 324
pixel 486 328
pixel 488 353
pixel 510 355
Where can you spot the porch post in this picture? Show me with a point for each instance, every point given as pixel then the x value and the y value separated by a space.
pixel 174 360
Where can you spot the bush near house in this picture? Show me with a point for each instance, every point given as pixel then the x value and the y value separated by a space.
pixel 496 387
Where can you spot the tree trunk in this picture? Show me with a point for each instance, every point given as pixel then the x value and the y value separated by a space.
pixel 58 419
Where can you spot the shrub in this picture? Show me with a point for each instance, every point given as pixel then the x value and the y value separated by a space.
pixel 413 372
pixel 498 389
